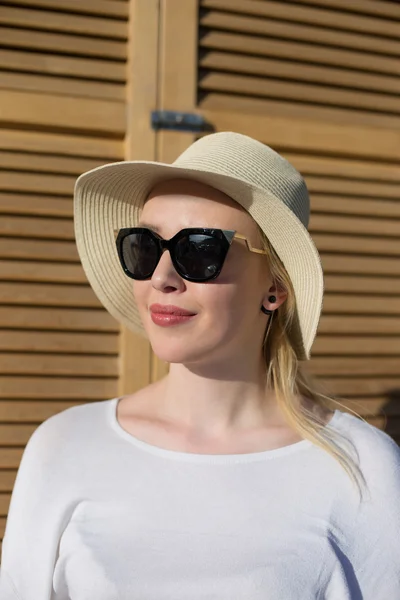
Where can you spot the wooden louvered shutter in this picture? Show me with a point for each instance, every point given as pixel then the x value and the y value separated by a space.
pixel 65 95
pixel 318 81
pixel 312 62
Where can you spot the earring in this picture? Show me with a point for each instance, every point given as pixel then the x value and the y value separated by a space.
pixel 266 311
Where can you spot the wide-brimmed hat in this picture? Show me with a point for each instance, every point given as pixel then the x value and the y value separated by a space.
pixel 111 196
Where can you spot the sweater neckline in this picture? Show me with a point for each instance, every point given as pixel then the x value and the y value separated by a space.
pixel 209 458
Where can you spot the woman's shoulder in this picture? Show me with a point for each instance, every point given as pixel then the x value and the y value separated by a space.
pixel 377 452
pixel 368 435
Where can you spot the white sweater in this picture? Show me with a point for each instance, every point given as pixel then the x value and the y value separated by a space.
pixel 97 514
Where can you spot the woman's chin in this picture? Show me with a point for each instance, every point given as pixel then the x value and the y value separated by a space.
pixel 175 355
pixel 179 351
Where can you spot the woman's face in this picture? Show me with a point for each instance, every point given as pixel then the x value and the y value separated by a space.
pixel 228 323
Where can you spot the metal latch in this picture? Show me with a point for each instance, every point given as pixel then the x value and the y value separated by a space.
pixel 179 121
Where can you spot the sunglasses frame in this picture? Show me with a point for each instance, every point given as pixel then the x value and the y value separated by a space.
pixel 225 235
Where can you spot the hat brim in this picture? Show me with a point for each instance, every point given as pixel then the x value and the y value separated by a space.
pixel 111 197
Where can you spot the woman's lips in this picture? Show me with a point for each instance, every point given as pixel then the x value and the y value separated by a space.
pixel 165 320
pixel 167 315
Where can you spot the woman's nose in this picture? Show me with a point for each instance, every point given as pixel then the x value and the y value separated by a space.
pixel 165 277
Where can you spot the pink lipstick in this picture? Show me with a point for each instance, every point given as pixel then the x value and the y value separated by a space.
pixel 167 315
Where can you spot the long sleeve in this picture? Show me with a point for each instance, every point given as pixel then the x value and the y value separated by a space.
pixel 370 564
pixel 37 515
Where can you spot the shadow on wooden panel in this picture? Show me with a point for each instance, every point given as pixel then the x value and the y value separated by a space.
pixel 391 412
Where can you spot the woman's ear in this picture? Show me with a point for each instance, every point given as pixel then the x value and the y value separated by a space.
pixel 280 297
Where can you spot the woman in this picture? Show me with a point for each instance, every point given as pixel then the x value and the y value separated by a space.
pixel 232 477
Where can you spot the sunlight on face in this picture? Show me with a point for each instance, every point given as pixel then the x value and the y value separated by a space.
pixel 228 321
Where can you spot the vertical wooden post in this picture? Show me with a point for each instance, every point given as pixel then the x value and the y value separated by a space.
pixel 140 144
pixel 162 74
pixel 177 86
pixel 178 71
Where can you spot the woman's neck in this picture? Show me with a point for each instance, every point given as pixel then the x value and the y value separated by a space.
pixel 202 401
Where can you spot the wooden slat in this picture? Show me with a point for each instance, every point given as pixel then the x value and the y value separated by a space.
pixel 44 294
pixel 356 245
pixel 18 181
pixel 326 204
pixel 19 411
pixel 32 294
pixel 304 52
pixel 350 168
pixel 354 224
pixel 57 387
pixel 7 481
pixel 104 150
pixel 362 304
pixel 16 435
pixel 298 32
pixel 41 272
pixel 311 135
pixel 32 204
pixel 47 164
pixel 335 365
pixel 324 18
pixel 360 265
pixel 92 7
pixel 265 67
pixel 50 110
pixel 297 91
pixel 52 21
pixel 63 43
pixel 74 319
pixel 48 364
pixel 10 458
pixel 361 386
pixel 258 107
pixel 62 86
pixel 38 250
pixel 45 341
pixel 360 346
pixel 348 187
pixel 372 7
pixel 357 284
pixel 38 228
pixel 86 68
pixel 4 503
pixel 358 325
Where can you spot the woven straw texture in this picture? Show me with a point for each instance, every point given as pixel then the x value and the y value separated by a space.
pixel 263 182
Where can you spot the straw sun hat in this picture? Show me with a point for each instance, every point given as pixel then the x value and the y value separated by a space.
pixel 263 182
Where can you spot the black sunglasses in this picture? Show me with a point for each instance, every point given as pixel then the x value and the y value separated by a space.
pixel 197 254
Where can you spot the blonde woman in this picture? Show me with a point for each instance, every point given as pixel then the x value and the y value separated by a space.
pixel 232 478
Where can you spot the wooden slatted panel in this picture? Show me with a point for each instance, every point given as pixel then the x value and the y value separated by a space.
pixel 355 223
pixel 63 104
pixel 317 61
pixel 39 42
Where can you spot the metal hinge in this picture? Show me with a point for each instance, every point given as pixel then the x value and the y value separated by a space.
pixel 179 121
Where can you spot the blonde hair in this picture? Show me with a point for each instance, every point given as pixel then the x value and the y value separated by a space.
pixel 287 377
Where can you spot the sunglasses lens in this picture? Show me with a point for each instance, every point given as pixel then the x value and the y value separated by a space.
pixel 140 254
pixel 199 256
